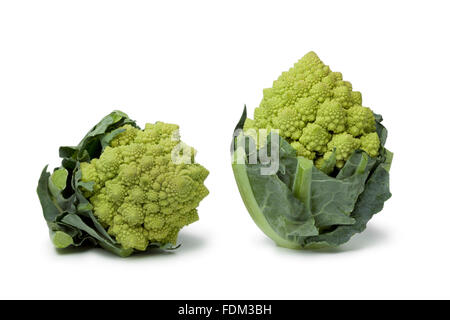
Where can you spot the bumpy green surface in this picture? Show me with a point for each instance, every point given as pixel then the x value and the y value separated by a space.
pixel 139 194
pixel 313 107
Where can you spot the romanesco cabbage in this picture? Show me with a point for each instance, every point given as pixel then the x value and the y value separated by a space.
pixel 329 172
pixel 123 188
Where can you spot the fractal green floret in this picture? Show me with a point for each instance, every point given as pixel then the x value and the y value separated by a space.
pixel 332 169
pixel 317 112
pixel 123 188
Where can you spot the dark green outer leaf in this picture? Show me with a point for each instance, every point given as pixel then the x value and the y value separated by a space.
pixel 370 202
pixel 333 199
pixel 96 139
pixel 49 209
pixel 381 130
pixel 76 222
pixel 67 152
pixel 240 124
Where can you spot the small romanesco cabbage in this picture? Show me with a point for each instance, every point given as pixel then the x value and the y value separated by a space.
pixel 345 144
pixel 370 143
pixel 140 195
pixel 315 110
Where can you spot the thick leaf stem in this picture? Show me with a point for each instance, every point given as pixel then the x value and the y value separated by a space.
pixel 302 182
pixel 363 163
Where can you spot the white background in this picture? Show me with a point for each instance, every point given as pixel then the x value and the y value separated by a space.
pixel 66 64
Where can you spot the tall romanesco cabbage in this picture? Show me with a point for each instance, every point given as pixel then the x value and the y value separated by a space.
pixel 329 172
pixel 317 112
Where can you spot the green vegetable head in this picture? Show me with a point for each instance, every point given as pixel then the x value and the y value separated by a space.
pixel 332 169
pixel 123 188
pixel 317 112
pixel 139 194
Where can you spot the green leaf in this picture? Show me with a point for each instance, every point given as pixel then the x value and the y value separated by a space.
pixel 67 152
pixel 59 178
pixel 95 140
pixel 105 124
pixel 59 226
pixel 57 183
pixel 388 160
pixel 370 202
pixel 76 222
pixel 333 200
pixel 61 239
pixel 288 161
pixel 381 130
pixel 107 138
pixel 49 209
pixel 89 186
pixel 277 203
pixel 240 124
